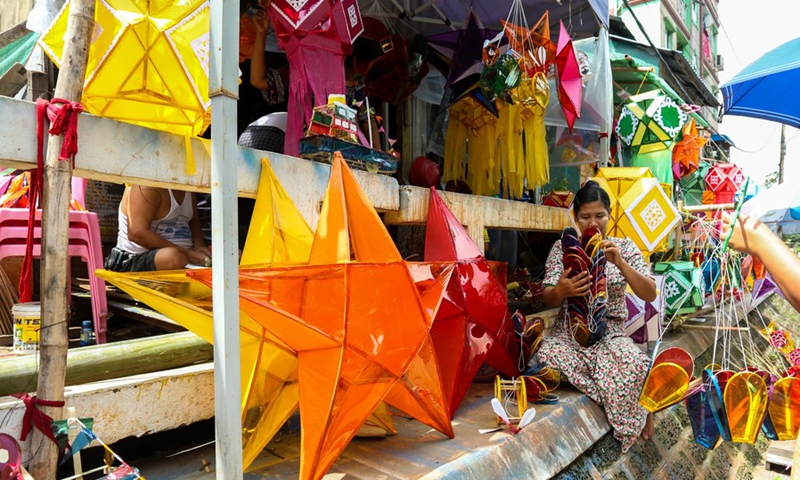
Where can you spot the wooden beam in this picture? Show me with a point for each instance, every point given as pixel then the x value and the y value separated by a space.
pixel 56 195
pixel 123 153
pixel 477 213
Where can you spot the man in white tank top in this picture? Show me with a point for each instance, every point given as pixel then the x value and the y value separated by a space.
pixel 158 230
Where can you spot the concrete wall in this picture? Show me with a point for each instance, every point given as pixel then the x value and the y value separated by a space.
pixel 13 12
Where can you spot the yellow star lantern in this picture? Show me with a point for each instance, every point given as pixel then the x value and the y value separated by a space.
pixel 148 62
pixel 277 233
pixel 640 209
pixel 358 318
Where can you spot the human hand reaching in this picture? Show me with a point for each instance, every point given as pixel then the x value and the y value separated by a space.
pixel 748 233
pixel 261 22
pixel 611 251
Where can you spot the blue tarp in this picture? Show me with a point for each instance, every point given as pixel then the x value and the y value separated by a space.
pixel 767 88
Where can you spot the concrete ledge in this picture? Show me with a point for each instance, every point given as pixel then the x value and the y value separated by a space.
pixel 132 406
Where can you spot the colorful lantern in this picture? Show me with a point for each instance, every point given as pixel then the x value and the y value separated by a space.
pixel 762 287
pixel 361 328
pixel 559 199
pixel 669 381
pixel 649 124
pixel 570 82
pixel 686 153
pixel 683 286
pixel 644 322
pixel 745 405
pixel 640 209
pixel 724 179
pixel 701 418
pixel 472 325
pixel 316 36
pixel 278 234
pixel 147 64
pixel 784 408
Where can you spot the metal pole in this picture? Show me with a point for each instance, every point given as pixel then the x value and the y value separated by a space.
pixel 224 91
pixel 54 340
pixel 783 154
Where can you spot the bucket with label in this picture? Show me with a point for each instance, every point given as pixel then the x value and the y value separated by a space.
pixel 27 322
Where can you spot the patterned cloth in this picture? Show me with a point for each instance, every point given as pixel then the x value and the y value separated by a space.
pixel 611 372
pixel 275 93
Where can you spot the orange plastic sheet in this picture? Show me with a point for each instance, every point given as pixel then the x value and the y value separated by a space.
pixel 358 318
pixel 746 401
pixel 784 408
pixel 669 380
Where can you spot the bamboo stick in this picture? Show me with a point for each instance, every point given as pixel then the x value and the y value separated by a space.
pixel 110 360
pixel 708 208
pixel 54 340
pixel 714 327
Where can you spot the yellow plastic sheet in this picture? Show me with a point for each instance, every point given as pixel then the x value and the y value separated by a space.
pixel 357 318
pixel 148 63
pixel 745 405
pixel 668 380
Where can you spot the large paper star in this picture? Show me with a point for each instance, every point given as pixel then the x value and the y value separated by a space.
pixel 355 315
pixel 473 319
pixel 277 234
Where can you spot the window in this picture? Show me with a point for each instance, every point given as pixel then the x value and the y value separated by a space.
pixel 669 35
pixel 695 12
pixel 687 12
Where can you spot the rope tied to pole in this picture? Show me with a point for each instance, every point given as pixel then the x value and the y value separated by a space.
pixel 63 117
pixel 36 418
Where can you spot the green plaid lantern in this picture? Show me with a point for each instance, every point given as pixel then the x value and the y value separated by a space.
pixel 683 286
pixel 649 122
pixel 696 179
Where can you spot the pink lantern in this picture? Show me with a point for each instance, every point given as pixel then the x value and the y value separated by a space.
pixel 724 179
pixel 316 36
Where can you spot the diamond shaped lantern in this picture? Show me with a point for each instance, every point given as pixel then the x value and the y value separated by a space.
pixel 683 286
pixel 650 122
pixel 558 199
pixel 640 209
pixel 644 322
pixel 724 179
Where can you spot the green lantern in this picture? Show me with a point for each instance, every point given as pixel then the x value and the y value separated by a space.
pixel 683 286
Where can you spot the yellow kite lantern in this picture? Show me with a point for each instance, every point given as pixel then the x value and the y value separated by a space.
pixel 639 207
pixel 360 327
pixel 148 62
pixel 277 233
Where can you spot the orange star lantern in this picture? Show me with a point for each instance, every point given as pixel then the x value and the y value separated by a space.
pixel 270 394
pixel 357 317
pixel 686 153
pixel 472 325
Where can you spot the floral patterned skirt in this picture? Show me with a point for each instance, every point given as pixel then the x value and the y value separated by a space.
pixel 610 372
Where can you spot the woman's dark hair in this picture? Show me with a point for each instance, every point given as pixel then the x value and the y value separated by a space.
pixel 590 192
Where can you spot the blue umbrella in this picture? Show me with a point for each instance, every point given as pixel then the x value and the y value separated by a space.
pixel 766 89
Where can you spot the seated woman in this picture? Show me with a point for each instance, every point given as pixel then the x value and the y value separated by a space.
pixel 612 371
pixel 158 230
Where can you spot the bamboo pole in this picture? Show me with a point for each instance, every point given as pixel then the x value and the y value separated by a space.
pixel 708 208
pixel 55 236
pixel 110 360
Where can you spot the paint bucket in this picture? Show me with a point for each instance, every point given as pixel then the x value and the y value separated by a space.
pixel 27 322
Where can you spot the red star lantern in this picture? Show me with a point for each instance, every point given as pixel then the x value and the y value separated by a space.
pixel 724 179
pixel 473 325
pixel 316 35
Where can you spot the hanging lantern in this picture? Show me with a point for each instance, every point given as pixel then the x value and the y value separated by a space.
pixel 683 286
pixel 724 179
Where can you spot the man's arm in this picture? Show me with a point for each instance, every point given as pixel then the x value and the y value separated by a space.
pixel 258 68
pixel 197 233
pixel 143 206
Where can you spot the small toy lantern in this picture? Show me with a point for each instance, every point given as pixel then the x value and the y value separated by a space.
pixel 683 286
pixel 644 322
pixel 724 179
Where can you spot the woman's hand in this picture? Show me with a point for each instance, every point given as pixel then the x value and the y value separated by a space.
pixel 611 251
pixel 261 22
pixel 577 286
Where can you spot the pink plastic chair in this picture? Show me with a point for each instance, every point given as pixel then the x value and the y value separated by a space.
pixel 84 234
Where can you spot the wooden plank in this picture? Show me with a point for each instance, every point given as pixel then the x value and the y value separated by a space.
pixel 13 80
pixel 122 153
